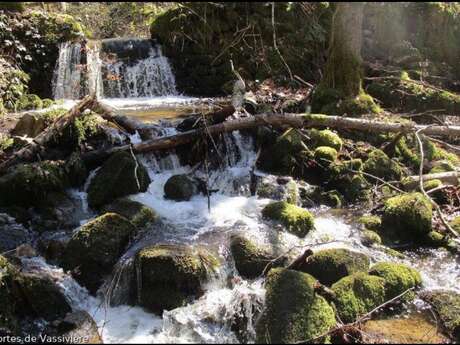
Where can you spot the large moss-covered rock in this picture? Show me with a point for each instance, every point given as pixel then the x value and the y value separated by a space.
pixel 137 213
pixel 42 296
pixel 325 154
pixel 380 165
pixel 358 294
pixel 370 222
pixel 296 219
pixel 31 184
pixel 293 312
pixel 250 259
pixel 398 278
pixel 330 265
pixel 447 306
pixel 171 275
pixel 95 248
pixel 285 156
pixel 180 188
pixel 369 238
pixel 117 178
pixel 407 217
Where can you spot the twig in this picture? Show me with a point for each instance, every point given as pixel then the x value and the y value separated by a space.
pixel 135 168
pixel 276 46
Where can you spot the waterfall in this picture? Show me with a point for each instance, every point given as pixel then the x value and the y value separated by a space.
pixel 115 68
pixel 68 72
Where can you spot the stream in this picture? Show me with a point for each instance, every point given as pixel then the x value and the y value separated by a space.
pixel 232 209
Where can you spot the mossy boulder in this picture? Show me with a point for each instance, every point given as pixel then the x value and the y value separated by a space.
pixel 283 188
pixel 170 275
pixel 398 278
pixel 369 238
pixel 293 312
pixel 455 224
pixel 436 239
pixel 180 188
pixel 29 102
pixel 251 260
pixel 95 248
pixel 296 219
pixel 77 325
pixel 29 125
pixel 325 155
pixel 407 217
pixel 30 184
pixel 370 222
pixel 446 304
pixel 42 297
pixel 358 294
pixel 116 179
pixel 325 138
pixel 137 213
pixel 285 156
pixel 330 265
pixel 380 165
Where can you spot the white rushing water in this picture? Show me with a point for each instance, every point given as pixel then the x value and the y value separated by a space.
pixel 68 72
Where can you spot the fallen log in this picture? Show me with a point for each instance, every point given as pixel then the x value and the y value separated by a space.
pixel 450 177
pixel 287 120
pixel 30 151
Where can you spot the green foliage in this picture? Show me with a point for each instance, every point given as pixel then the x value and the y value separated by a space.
pixel 296 219
pixel 86 126
pixel 13 84
pixel 5 142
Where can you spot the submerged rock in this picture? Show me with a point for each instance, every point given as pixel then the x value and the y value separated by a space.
pixel 296 219
pixel 447 305
pixel 251 260
pixel 137 213
pixel 95 248
pixel 358 294
pixel 398 278
pixel 118 177
pixel 330 265
pixel 407 217
pixel 282 188
pixel 170 275
pixel 293 312
pixel 181 188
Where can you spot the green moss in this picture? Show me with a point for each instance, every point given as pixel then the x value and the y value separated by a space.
pixel 380 165
pixel 362 104
pixel 332 198
pixel 95 248
pixel 447 306
pixel 407 216
pixel 46 102
pixel 53 114
pixel 325 154
pixel 370 238
pixel 330 265
pixel 5 142
pixel 117 178
pixel 8 318
pixel 436 239
pixel 170 275
pixel 137 213
pixel 358 294
pixel 293 311
pixel 29 102
pixel 442 166
pixel 325 138
pixel 86 126
pixel 30 184
pixel 371 222
pixel 250 259
pixel 455 224
pixel 431 184
pixel 296 219
pixel 398 278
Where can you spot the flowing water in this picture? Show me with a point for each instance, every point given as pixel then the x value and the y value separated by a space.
pixel 137 79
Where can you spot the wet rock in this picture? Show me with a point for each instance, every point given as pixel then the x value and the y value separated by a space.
pixel 29 125
pixel 398 278
pixel 369 238
pixel 52 245
pixel 42 296
pixel 330 265
pixel 137 213
pixel 251 260
pixel 276 188
pixel 95 248
pixel 12 234
pixel 296 219
pixel 358 294
pixel 447 305
pixel 117 178
pixel 78 325
pixel 293 312
pixel 407 217
pixel 181 188
pixel 170 275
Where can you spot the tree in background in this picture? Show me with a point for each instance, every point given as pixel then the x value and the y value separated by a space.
pixel 340 91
